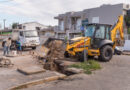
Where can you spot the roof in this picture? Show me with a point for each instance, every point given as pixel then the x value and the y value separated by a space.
pixel 33 22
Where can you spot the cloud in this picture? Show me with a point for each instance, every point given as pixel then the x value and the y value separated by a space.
pixel 44 11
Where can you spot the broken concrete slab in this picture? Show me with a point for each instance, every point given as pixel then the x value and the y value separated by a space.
pixel 31 70
pixel 64 62
pixel 74 70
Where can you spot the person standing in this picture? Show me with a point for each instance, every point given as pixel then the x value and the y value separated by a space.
pixel 19 47
pixel 8 44
pixel 4 47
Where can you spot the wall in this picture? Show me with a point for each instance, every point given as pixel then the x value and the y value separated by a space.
pixel 127 45
pixel 32 26
pixel 107 14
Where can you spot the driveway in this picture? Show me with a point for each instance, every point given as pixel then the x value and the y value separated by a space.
pixel 114 75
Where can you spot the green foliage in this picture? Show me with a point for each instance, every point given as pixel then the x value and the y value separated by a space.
pixel 127 21
pixel 5 33
pixel 129 30
pixel 14 25
pixel 88 66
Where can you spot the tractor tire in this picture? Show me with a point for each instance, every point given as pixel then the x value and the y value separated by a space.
pixel 106 53
pixel 66 54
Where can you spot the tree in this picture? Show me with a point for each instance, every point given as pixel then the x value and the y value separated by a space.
pixel 15 25
pixel 127 21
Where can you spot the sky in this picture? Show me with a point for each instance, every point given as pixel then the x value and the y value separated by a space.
pixel 44 11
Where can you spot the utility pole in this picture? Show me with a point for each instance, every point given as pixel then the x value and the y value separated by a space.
pixel 4 23
pixel 85 51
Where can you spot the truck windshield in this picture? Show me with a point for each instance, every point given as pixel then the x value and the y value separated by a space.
pixel 30 33
pixel 89 31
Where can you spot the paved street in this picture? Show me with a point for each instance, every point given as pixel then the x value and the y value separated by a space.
pixel 114 75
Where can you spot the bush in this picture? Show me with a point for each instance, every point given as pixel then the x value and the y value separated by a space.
pixel 128 30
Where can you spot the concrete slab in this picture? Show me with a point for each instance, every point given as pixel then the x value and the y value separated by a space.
pixel 31 70
pixel 10 77
pixel 74 70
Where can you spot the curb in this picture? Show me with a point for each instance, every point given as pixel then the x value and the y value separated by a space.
pixel 36 82
pixel 125 54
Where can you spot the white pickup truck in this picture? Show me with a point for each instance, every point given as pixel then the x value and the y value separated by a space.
pixel 27 38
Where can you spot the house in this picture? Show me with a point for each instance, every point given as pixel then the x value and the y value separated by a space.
pixel 69 24
pixel 31 26
pixel 47 32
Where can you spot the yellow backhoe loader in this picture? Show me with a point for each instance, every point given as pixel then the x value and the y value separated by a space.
pixel 99 40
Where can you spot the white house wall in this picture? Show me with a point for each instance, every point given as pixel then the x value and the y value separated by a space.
pixel 32 26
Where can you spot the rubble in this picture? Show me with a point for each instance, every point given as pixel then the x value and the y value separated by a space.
pixel 56 51
pixel 5 62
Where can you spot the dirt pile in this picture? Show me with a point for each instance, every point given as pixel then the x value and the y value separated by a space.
pixel 56 52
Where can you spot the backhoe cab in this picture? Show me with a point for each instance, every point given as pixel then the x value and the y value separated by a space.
pixel 98 40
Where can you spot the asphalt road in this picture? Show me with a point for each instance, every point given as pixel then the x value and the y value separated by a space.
pixel 114 75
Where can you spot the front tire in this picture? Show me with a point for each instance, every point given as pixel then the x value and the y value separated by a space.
pixel 106 53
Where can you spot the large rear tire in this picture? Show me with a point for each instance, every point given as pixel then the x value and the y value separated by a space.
pixel 106 53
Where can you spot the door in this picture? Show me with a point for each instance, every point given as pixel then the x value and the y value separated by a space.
pixel 99 35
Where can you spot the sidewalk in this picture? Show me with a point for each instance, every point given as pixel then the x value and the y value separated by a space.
pixel 10 77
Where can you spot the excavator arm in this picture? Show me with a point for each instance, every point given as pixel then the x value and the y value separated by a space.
pixel 118 27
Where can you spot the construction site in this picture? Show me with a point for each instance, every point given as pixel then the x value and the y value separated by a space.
pixel 89 50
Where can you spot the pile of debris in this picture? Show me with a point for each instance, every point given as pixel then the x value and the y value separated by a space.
pixel 56 52
pixel 5 62
pixel 50 51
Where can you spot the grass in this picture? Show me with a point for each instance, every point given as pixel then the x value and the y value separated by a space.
pixel 88 66
pixel 129 30
pixel 5 33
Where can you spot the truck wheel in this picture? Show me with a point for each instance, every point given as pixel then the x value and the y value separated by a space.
pixel 33 48
pixel 66 54
pixel 106 53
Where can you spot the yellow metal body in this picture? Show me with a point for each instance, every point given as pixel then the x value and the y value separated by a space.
pixel 78 45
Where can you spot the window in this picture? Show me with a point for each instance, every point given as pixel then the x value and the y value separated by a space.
pixel 107 33
pixel 24 27
pixel 62 25
pixel 21 33
pixel 30 33
pixel 100 32
pixel 89 31
pixel 37 28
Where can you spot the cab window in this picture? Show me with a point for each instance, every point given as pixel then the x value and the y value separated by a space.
pixel 107 33
pixel 100 32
